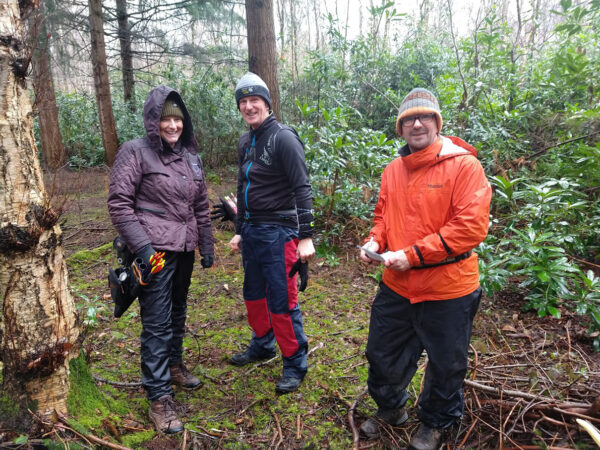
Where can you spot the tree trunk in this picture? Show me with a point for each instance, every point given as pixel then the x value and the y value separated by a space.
pixel 293 46
pixel 281 11
pixel 101 83
pixel 316 11
pixel 261 46
pixel 126 55
pixel 38 329
pixel 53 150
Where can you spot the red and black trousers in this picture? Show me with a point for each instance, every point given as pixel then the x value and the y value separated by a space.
pixel 271 297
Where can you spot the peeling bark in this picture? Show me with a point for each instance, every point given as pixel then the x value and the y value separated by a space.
pixel 38 329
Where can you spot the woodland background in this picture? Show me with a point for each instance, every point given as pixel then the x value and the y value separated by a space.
pixel 516 79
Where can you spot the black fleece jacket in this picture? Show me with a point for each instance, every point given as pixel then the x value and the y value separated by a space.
pixel 273 183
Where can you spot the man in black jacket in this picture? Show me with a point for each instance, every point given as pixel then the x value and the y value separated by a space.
pixel 274 226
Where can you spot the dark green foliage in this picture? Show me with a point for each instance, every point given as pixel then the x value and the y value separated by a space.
pixel 345 165
pixel 208 95
pixel 529 104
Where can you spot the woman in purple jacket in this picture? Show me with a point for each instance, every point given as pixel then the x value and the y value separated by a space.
pixel 158 201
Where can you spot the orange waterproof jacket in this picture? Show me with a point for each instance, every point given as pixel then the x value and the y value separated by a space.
pixel 433 204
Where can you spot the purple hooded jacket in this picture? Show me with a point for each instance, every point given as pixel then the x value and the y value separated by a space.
pixel 157 195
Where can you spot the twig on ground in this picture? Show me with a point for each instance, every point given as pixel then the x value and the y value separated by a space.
pixel 280 441
pixel 204 432
pixel 336 333
pixel 513 393
pixel 275 434
pixel 90 437
pixel 298 433
pixel 184 440
pixel 249 406
pixel 315 348
pixel 355 433
pixel 468 433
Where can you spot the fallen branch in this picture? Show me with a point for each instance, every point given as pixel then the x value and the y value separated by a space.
pixel 298 430
pixel 566 412
pixel 280 441
pixel 568 141
pixel 184 440
pixel 525 395
pixel 468 433
pixel 90 437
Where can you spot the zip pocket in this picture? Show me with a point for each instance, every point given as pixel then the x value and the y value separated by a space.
pixel 154 211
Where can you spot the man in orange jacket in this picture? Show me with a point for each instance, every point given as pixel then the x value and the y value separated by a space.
pixel 433 210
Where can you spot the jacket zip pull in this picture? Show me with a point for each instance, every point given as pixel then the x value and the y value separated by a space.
pixel 248 178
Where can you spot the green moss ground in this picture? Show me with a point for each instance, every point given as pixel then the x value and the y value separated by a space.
pixel 237 404
pixel 236 408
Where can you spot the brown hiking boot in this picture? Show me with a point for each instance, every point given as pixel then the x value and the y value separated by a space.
pixel 163 414
pixel 181 376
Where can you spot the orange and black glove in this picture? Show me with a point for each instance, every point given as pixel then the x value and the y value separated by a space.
pixel 146 263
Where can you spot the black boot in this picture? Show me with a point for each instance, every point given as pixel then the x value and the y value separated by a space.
pixel 394 417
pixel 247 357
pixel 287 385
pixel 426 438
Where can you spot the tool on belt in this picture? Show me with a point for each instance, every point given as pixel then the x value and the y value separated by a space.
pixel 124 286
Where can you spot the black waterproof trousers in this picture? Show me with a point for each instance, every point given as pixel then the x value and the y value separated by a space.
pixel 163 309
pixel 398 334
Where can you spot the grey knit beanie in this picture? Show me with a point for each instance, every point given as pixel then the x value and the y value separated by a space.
pixel 252 84
pixel 418 101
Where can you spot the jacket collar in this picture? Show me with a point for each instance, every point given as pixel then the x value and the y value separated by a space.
pixel 427 156
pixel 168 155
pixel 263 126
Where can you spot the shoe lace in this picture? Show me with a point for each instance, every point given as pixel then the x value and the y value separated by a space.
pixel 169 409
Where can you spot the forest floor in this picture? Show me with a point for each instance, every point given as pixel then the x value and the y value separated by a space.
pixel 529 378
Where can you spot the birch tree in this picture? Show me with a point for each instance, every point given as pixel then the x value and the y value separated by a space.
pixel 38 328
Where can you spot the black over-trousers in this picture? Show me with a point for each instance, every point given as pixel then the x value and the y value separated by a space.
pixel 398 334
pixel 163 309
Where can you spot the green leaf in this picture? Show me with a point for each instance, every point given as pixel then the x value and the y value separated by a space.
pixel 554 311
pixel 21 440
pixel 543 276
pixel 565 5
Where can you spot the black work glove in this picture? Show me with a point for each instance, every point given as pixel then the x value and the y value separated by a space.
pixel 302 269
pixel 207 260
pixel 223 211
pixel 141 264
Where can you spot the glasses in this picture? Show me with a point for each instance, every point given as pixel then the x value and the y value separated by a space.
pixel 423 118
